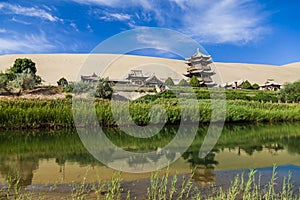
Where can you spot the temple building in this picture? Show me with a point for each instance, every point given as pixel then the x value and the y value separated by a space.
pixel 153 80
pixel 92 78
pixel 136 77
pixel 199 65
pixel 270 85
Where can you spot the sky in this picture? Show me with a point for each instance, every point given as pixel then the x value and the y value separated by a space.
pixel 246 31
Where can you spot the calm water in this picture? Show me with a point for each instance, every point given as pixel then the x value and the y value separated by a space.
pixel 42 157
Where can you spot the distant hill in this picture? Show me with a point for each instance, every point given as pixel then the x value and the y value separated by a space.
pixel 51 67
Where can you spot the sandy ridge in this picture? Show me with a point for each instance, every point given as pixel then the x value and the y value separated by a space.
pixel 51 67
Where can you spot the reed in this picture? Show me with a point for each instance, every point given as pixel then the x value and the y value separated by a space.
pixel 165 187
pixel 26 113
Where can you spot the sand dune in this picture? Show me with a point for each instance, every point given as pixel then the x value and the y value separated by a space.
pixel 51 67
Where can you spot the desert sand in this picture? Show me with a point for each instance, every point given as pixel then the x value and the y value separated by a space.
pixel 51 67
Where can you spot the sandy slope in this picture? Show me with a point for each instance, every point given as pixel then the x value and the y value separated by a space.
pixel 51 67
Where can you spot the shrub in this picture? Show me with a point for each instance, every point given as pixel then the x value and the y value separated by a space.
pixel 62 82
pixel 194 82
pixel 69 87
pixel 183 82
pixel 23 81
pixel 255 86
pixel 3 80
pixel 104 89
pixel 68 96
pixel 169 82
pixel 80 87
pixel 290 92
pixel 246 85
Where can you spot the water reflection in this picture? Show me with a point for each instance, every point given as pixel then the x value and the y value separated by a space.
pixel 18 168
pixel 240 146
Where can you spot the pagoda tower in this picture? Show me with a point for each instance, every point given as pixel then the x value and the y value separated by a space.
pixel 199 66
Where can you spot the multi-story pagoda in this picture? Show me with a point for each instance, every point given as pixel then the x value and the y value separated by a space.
pixel 199 66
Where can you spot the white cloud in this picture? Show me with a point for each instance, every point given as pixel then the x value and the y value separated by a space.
pixel 117 3
pixel 74 26
pixel 89 28
pixel 219 21
pixel 98 2
pixel 115 17
pixel 2 30
pixel 226 21
pixel 27 11
pixel 20 21
pixel 25 43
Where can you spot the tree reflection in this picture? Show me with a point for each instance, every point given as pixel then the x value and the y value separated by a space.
pixel 18 169
pixel 20 153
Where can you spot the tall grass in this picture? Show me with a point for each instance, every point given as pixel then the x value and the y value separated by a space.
pixel 26 113
pixel 167 187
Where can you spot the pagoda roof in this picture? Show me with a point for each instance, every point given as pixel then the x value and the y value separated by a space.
pixel 195 71
pixel 154 79
pixel 130 76
pixel 194 68
pixel 208 72
pixel 211 84
pixel 198 55
pixel 270 82
pixel 93 77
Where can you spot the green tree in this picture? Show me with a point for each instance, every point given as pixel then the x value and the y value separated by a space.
pixel 169 82
pixel 194 82
pixel 255 86
pixel 246 85
pixel 183 82
pixel 21 66
pixel 290 92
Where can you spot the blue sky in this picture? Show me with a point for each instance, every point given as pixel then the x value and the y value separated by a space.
pixel 251 31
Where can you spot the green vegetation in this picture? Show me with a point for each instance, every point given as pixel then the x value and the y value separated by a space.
pixel 247 188
pixel 183 83
pixel 204 93
pixel 104 89
pixel 24 66
pixel 255 86
pixel 175 187
pixel 246 85
pixel 26 113
pixel 66 146
pixel 169 82
pixel 22 76
pixel 194 82
pixel 290 92
pixel 62 82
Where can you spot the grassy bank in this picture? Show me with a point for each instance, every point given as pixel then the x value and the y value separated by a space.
pixel 28 113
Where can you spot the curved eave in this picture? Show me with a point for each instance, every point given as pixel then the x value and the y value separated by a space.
pixel 208 72
pixel 211 84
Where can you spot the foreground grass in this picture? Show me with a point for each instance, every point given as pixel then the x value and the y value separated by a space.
pixel 165 187
pixel 28 113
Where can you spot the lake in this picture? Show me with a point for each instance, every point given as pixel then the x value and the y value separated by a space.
pixel 58 156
